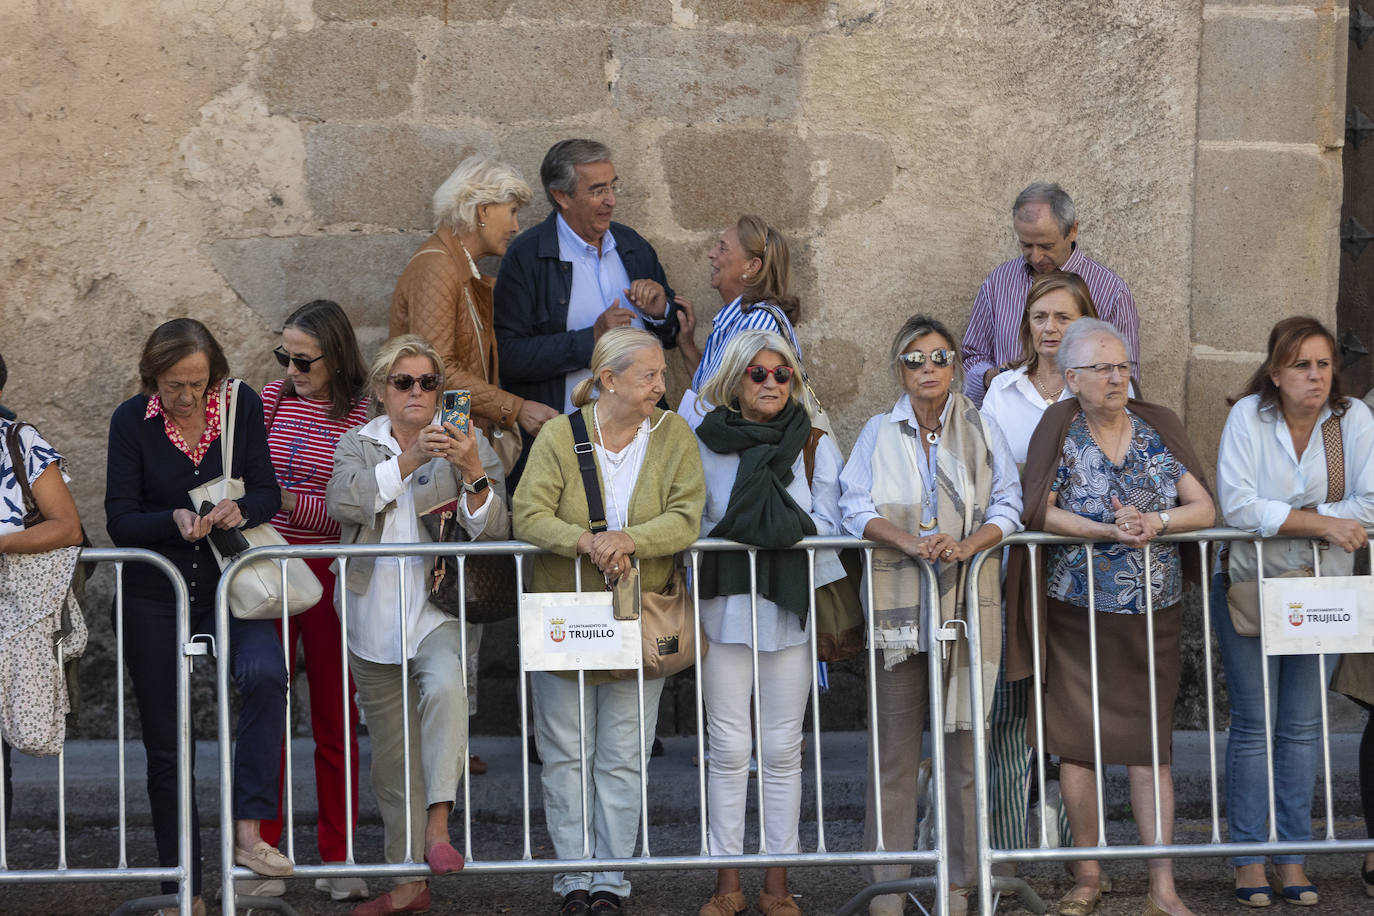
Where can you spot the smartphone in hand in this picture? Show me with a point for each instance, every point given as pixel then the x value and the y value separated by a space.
pixel 230 542
pixel 457 408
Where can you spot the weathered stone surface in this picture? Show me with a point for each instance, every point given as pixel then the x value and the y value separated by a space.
pixel 698 75
pixel 511 74
pixel 1213 376
pixel 650 11
pixel 384 175
pixel 1272 79
pixel 1262 250
pixel 766 172
pixel 274 276
pixel 758 12
pixel 446 11
pixel 339 72
pixel 853 171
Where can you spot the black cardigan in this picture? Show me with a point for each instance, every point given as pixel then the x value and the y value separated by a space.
pixel 147 477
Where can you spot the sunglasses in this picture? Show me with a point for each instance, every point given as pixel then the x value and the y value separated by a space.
pixel 402 382
pixel 300 362
pixel 758 374
pixel 915 359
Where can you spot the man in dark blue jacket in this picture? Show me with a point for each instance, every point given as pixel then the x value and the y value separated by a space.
pixel 565 282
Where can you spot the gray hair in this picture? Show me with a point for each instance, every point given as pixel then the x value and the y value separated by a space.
pixel 558 171
pixel 1078 339
pixel 615 350
pixel 723 385
pixel 1047 192
pixel 477 181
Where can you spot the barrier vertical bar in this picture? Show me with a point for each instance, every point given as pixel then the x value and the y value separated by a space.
pixel 401 610
pixel 875 769
pixel 289 816
pixel 758 707
pixel 1098 775
pixel 1211 693
pixel 341 596
pixel 1038 687
pixel 1326 719
pixel 463 651
pixel 582 731
pixel 184 748
pixel 119 724
pixel 223 664
pixel 1153 693
pixel 936 676
pixel 527 853
pixel 815 698
pixel 982 827
pixel 695 557
pixel 1268 705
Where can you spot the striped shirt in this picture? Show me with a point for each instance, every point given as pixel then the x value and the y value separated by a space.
pixel 302 439
pixel 994 327
pixel 728 322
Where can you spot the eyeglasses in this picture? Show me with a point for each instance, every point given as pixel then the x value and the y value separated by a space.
pixel 402 382
pixel 1105 370
pixel 915 359
pixel 300 362
pixel 599 194
pixel 759 374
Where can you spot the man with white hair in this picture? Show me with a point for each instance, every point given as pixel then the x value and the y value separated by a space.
pixel 1047 229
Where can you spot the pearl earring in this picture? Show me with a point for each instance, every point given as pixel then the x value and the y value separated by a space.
pixel 744 277
pixel 481 225
pixel 611 390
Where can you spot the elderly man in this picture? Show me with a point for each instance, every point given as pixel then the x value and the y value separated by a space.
pixel 567 281
pixel 1045 225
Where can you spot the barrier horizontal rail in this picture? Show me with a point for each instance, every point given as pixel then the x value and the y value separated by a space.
pixel 123 872
pixel 989 855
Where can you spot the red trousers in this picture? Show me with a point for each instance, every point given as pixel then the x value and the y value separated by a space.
pixel 319 629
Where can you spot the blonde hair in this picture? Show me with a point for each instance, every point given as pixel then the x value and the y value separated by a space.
pixel 393 351
pixel 722 388
pixel 773 279
pixel 477 181
pixel 614 351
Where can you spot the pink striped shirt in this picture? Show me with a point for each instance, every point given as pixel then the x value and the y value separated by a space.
pixel 302 439
pixel 994 327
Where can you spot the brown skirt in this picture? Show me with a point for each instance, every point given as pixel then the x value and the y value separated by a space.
pixel 1124 684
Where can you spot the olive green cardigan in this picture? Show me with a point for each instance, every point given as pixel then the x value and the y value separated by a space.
pixel 550 505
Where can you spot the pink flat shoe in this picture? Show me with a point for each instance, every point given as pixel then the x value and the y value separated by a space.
pixel 383 906
pixel 443 859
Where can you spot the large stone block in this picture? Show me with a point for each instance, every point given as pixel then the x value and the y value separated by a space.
pixel 715 175
pixel 759 12
pixel 705 75
pixel 446 11
pixel 1263 242
pixel 274 276
pixel 383 174
pixel 510 74
pixel 1213 376
pixel 1279 79
pixel 339 72
pixel 854 171
pixel 652 11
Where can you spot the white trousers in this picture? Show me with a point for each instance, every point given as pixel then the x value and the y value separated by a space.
pixel 727 690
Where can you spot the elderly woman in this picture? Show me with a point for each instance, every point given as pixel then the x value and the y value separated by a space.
pixel 751 269
pixel 323 395
pixel 929 479
pixel 652 490
pixel 770 481
pixel 1102 467
pixel 164 442
pixel 399 466
pixel 1275 477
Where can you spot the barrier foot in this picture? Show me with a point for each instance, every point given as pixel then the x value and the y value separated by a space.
pixel 145 904
pixel 860 900
pixel 275 904
pixel 1003 884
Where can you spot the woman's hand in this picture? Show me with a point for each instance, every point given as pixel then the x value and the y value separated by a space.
pixel 227 515
pixel 191 526
pixel 948 549
pixel 1345 533
pixel 460 449
pixel 611 551
pixel 1132 526
pixel 288 501
pixel 686 331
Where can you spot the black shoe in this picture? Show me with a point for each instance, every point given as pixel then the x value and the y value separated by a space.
pixel 605 902
pixel 575 903
pixel 654 751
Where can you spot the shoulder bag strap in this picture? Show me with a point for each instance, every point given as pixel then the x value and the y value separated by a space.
pixel 21 473
pixel 586 463
pixel 226 425
pixel 813 440
pixel 1335 459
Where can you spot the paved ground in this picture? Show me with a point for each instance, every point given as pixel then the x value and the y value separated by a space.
pixel 92 818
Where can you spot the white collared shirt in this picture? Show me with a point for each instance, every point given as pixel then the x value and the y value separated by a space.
pixel 598 279
pixel 1016 406
pixel 398 588
pixel 1260 479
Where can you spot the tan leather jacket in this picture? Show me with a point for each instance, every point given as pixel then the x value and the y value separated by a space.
pixel 438 298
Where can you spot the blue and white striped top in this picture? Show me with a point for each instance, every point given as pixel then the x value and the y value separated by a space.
pixel 728 322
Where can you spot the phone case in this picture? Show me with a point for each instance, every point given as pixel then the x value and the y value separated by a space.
pixel 457 408
pixel 625 596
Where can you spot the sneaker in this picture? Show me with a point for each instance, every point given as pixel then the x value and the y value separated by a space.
pixel 267 887
pixel 344 887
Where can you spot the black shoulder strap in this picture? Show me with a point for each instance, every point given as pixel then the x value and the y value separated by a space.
pixel 586 463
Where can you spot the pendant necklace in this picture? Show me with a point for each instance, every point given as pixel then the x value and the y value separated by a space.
pixel 932 434
pixel 1049 398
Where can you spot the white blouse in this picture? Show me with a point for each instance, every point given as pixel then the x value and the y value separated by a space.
pixel 1260 479
pixel 1016 406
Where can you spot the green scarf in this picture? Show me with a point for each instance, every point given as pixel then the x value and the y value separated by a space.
pixel 761 511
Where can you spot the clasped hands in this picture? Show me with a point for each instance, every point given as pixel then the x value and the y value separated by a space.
pixel 1133 527
pixel 937 547
pixel 611 551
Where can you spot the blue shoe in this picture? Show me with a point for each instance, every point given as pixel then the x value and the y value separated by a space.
pixel 1301 894
pixel 1368 877
pixel 1254 896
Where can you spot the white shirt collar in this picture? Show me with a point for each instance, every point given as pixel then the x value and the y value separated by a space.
pixel 569 240
pixel 903 411
pixel 378 430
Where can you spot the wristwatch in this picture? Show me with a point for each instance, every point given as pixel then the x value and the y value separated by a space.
pixel 1163 522
pixel 478 485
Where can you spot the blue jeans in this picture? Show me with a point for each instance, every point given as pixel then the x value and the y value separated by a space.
pixel 1295 705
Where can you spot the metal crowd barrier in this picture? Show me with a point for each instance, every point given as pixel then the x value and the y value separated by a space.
pixel 122 871
pixel 821 856
pixel 1043 851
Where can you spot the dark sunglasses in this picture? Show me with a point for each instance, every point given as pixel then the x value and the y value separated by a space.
pixel 915 359
pixel 301 363
pixel 402 382
pixel 757 374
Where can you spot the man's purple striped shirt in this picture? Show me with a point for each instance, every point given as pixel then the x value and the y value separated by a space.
pixel 993 336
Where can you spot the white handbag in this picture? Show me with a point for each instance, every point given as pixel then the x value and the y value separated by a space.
pixel 256 592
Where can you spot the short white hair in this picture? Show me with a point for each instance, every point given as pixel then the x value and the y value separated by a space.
pixel 1078 340
pixel 477 181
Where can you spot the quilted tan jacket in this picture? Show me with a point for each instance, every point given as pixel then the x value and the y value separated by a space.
pixel 438 298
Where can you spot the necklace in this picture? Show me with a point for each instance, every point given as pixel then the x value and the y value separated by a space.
pixel 615 464
pixel 477 274
pixel 932 433
pixel 1050 397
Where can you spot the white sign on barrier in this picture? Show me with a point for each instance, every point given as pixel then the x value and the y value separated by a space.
pixel 567 631
pixel 1311 616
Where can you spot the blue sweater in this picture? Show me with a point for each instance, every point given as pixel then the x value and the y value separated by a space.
pixel 147 477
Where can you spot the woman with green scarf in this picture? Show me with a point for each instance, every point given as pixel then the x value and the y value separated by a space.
pixel 770 481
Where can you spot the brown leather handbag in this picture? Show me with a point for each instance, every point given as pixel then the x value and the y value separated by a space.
pixel 490 579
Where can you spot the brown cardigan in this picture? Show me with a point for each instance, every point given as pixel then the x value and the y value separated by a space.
pixel 429 301
pixel 1042 464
